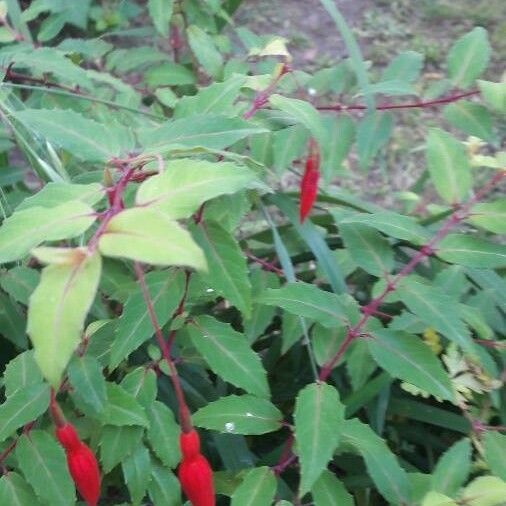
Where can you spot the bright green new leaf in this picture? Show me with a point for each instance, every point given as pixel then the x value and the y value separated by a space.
pixel 26 229
pixel 161 12
pixel 319 417
pixel 187 183
pixel 228 354
pixel 485 491
pixel 452 469
pixel 468 57
pixel 329 491
pixel 22 407
pixel 472 252
pixel 448 166
pixel 239 414
pixel 437 499
pixel 307 300
pixel 382 466
pixel 163 434
pixel 84 138
pixel 57 311
pixel 257 489
pixel 44 465
pixel 407 357
pixel 490 216
pixel 146 235
pixel 494 95
pixel 227 268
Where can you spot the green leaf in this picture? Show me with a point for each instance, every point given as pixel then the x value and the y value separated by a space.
pixel 437 310
pixel 44 466
pixel 407 357
pixel 437 499
pixel 341 137
pixel 373 132
pixel 404 67
pixel 494 445
pixel 161 12
pixel 289 144
pixel 452 469
pixel 204 49
pixel 122 408
pixel 202 130
pixel 472 252
pixel 257 489
pixel 15 491
pixel 319 417
pixel 472 119
pixel 315 241
pixel 86 377
pixel 26 229
pixel 141 383
pixel 22 407
pixel 448 166
pixel 392 224
pixel 137 472
pixel 21 372
pixel 163 434
pixel 244 414
pixel 164 487
pixel 227 269
pixel 393 87
pixel 307 300
pixel 145 235
pixel 494 95
pixel 490 216
pixel 116 443
pixel 304 113
pixel 382 466
pixel 228 355
pixel 55 194
pixel 485 491
pixel 186 184
pixel 57 311
pixel 329 491
pixel 134 325
pixel 84 138
pixel 12 322
pixel 19 282
pixel 169 74
pixel 369 249
pixel 468 57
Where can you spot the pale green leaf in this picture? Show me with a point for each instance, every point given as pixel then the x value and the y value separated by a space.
pixel 490 216
pixel 472 119
pixel 57 311
pixel 494 95
pixel 26 229
pixel 373 132
pixel 319 417
pixel 257 489
pixel 186 184
pixel 448 166
pixel 145 235
pixel 161 12
pixel 404 67
pixel 244 414
pixel 468 57
pixel 494 445
pixel 204 49
pixel 228 354
pixel 485 491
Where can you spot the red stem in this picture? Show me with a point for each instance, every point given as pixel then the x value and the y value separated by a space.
pixel 55 410
pixel 184 412
pixel 409 105
pixel 268 266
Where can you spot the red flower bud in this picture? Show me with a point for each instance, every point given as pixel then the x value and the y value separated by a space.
pixel 309 183
pixel 195 473
pixel 82 464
